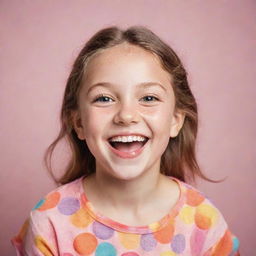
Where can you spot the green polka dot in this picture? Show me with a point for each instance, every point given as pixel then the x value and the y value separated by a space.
pixel 105 249
pixel 39 204
pixel 235 244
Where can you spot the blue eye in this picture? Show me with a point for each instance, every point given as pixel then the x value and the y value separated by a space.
pixel 103 99
pixel 150 98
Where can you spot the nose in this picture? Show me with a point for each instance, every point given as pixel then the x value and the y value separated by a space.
pixel 127 113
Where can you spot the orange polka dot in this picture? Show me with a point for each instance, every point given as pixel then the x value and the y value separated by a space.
pixel 22 231
pixel 85 243
pixel 81 218
pixel 50 201
pixel 165 234
pixel 206 216
pixel 225 245
pixel 202 221
pixel 194 198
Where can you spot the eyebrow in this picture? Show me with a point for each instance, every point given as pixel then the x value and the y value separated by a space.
pixel 143 85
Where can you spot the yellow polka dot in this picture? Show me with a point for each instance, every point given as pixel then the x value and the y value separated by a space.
pixel 154 226
pixel 206 216
pixel 169 253
pixel 129 241
pixel 81 218
pixel 43 247
pixel 187 214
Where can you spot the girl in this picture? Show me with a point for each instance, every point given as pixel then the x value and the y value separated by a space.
pixel 131 121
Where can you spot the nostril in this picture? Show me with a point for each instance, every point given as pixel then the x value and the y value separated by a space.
pixel 126 116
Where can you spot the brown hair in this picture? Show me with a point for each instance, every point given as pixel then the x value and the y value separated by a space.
pixel 179 158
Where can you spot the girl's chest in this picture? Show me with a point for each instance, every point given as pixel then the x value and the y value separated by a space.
pixel 86 236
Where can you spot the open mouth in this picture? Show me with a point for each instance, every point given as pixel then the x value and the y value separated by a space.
pixel 130 144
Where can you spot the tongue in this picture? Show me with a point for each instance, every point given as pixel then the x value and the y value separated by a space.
pixel 127 146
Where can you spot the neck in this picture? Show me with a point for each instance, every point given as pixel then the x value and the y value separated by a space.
pixel 120 194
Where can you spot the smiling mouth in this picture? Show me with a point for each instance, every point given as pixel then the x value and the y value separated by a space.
pixel 127 146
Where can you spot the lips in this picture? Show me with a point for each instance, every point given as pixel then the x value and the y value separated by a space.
pixel 128 146
pixel 128 149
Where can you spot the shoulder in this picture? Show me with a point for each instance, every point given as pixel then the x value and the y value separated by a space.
pixel 50 216
pixel 192 196
pixel 206 222
pixel 65 198
pixel 206 215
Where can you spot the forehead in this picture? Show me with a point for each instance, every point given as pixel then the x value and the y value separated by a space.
pixel 125 63
pixel 123 50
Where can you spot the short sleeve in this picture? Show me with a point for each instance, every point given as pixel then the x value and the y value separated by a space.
pixel 228 245
pixel 37 237
pixel 219 240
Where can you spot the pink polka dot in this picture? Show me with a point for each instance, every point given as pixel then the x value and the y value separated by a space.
pixel 197 240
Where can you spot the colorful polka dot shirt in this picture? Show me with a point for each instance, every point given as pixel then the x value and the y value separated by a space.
pixel 65 223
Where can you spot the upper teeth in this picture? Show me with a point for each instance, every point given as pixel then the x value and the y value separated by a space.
pixel 127 138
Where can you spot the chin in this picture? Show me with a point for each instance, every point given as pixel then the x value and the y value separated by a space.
pixel 126 174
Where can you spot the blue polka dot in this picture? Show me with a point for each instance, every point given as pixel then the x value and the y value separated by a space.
pixel 235 244
pixel 39 204
pixel 105 249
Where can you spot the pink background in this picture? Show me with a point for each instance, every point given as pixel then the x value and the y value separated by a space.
pixel 216 41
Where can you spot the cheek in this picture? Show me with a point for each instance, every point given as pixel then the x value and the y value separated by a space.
pixel 159 117
pixel 94 123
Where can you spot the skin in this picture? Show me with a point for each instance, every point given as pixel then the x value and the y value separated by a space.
pixel 130 188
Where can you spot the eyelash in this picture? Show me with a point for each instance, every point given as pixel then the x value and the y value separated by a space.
pixel 151 96
pixel 99 99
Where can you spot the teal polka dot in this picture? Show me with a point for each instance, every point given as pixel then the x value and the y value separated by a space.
pixel 39 204
pixel 235 244
pixel 105 249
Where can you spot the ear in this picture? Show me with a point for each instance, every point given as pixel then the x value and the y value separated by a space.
pixel 77 124
pixel 177 122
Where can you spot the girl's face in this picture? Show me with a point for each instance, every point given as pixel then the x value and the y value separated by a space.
pixel 126 111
